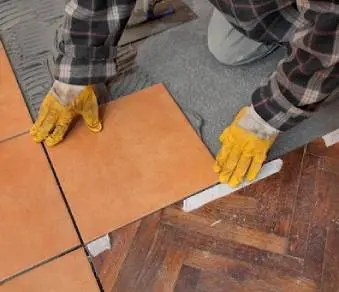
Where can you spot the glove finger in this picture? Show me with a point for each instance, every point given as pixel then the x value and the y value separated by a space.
pixel 60 131
pixel 221 158
pixel 90 113
pixel 230 164
pixel 240 171
pixel 92 120
pixel 223 135
pixel 255 167
pixel 41 132
pixel 41 117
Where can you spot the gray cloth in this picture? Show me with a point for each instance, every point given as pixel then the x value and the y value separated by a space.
pixel 231 47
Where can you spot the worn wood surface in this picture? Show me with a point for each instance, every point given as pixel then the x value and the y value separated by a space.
pixel 281 234
pixel 134 33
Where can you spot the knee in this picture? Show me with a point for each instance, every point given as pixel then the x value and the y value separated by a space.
pixel 219 39
pixel 218 49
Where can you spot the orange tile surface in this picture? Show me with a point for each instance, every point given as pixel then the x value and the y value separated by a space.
pixel 146 158
pixel 34 222
pixel 69 273
pixel 14 116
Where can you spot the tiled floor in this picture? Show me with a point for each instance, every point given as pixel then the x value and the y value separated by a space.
pixel 70 273
pixel 54 201
pixel 135 166
pixel 34 222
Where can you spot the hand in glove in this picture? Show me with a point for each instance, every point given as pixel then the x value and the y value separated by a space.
pixel 245 144
pixel 61 105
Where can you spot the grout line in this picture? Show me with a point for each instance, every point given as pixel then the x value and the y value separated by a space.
pixel 55 176
pixel 69 210
pixel 40 264
pixel 13 137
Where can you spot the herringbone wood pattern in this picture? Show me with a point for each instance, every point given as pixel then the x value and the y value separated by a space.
pixel 281 234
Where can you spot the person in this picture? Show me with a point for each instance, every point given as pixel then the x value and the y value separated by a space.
pixel 240 31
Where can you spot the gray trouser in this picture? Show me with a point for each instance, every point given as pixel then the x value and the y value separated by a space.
pixel 231 47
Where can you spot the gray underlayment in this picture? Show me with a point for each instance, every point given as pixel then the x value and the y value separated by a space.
pixel 208 92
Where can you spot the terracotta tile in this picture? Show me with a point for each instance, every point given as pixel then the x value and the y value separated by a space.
pixel 14 117
pixel 69 273
pixel 34 223
pixel 147 157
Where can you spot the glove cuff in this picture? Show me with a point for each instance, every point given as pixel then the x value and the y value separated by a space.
pixel 66 93
pixel 252 122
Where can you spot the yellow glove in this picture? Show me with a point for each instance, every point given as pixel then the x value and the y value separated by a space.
pixel 55 118
pixel 242 154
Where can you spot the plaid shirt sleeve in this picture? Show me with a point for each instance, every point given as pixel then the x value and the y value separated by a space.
pixel 91 31
pixel 309 73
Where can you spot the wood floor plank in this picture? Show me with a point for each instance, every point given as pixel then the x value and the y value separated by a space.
pixel 230 205
pixel 238 251
pixel 187 280
pixel 325 210
pixel 330 276
pixel 315 253
pixel 168 273
pixel 303 207
pixel 261 191
pixel 251 237
pixel 243 275
pixel 235 209
pixel 108 264
pixel 132 266
pixel 330 164
pixel 152 263
pixel 218 282
pixel 221 282
pixel 318 148
pixel 289 184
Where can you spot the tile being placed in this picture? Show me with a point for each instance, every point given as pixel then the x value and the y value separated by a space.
pixel 14 116
pixel 34 222
pixel 146 158
pixel 69 273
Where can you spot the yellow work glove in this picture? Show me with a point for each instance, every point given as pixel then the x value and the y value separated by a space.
pixel 55 118
pixel 242 153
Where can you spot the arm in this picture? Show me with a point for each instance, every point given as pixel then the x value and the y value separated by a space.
pixel 87 53
pixel 309 74
pixel 90 34
pixel 306 77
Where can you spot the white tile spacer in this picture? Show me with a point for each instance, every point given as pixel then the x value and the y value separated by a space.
pixel 331 138
pixel 99 245
pixel 220 190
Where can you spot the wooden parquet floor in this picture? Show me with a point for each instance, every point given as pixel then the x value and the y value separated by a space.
pixel 281 234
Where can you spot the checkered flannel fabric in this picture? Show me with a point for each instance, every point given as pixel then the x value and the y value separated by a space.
pixel 90 34
pixel 304 78
pixel 309 73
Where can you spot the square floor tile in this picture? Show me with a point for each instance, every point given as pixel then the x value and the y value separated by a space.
pixel 147 157
pixel 69 273
pixel 34 222
pixel 14 116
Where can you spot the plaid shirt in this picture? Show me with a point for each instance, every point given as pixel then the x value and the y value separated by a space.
pixel 305 78
pixel 90 34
